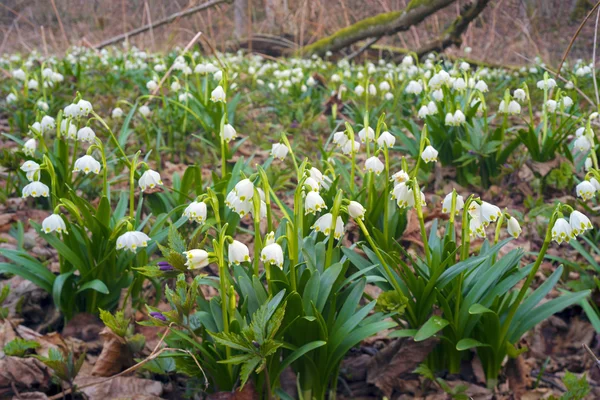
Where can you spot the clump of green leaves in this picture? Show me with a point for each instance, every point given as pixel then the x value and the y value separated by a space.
pixel 117 323
pixel 577 388
pixel 391 302
pixel 560 178
pixel 19 347
pixel 3 296
pixel 65 366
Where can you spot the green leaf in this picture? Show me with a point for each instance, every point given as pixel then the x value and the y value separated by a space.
pixel 430 328
pixel 96 285
pixel 401 333
pixel 468 343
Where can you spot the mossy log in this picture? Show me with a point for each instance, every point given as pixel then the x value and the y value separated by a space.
pixel 377 26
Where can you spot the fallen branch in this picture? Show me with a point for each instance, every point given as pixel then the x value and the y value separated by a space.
pixel 159 22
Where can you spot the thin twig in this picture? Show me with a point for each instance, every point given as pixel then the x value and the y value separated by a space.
pixel 594 60
pixel 60 24
pixel 358 52
pixel 592 355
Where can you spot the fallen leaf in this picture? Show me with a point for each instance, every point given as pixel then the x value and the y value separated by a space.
pixel 115 355
pixel 121 387
pixel 517 373
pixel 22 374
pixel 247 393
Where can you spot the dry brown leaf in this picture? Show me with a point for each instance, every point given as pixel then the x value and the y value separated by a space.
pixel 398 358
pixel 517 373
pixel 121 387
pixel 115 356
pixel 22 374
pixel 247 393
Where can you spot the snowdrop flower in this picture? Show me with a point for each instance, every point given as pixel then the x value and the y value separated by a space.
pixel 438 95
pixel 359 90
pixel 400 177
pixel 595 184
pixel 279 150
pixel 19 74
pixel 465 65
pixel 272 254
pixel 72 111
pixel 580 131
pixel 481 86
pixel 175 86
pixel 459 85
pixel 151 85
pixel 447 203
pixel 369 133
pixel 403 195
pixel 585 190
pixel 11 98
pixel 42 105
pixel 520 95
pixel 314 203
pixel 68 129
pixel 145 111
pixel 228 133
pixel 196 258
pixel 389 96
pixel 356 210
pixel 384 86
pixel 579 223
pixel 323 224
pixel 317 175
pixel 340 138
pixel 312 184
pixel 196 211
pixel 567 101
pixel 414 87
pixel 512 108
pixel 424 112
pixel 386 139
pixel 489 212
pixel 429 154
pixel 36 189
pixel 86 134
pixel 85 107
pixel 347 148
pixel 372 90
pixel 48 124
pixel 582 144
pixel 238 253
pixel 513 227
pixel 546 84
pixel 551 106
pixel 87 164
pixel 311 81
pixel 374 164
pixel 117 113
pixel 29 147
pixel 561 231
pixel 149 180
pixel 476 227
pixel 241 207
pixel 31 169
pixel 569 85
pixel 588 162
pixel 132 241
pixel 407 61
pixel 218 94
pixel 33 84
pixel 449 121
pixel 54 223
pixel 244 189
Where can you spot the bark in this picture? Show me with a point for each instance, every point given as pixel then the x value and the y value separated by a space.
pixel 240 18
pixel 377 26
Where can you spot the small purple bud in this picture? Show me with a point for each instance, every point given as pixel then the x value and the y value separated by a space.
pixel 165 266
pixel 157 315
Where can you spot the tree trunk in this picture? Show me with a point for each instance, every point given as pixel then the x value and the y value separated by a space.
pixel 276 12
pixel 240 18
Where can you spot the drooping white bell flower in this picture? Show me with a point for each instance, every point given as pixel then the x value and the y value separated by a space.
pixel 447 203
pixel 561 231
pixel 145 111
pixel 386 139
pixel 86 134
pixel 85 107
pixel 238 253
pixel 54 223
pixel 31 169
pixel 403 195
pixel 365 134
pixel 374 164
pixel 72 111
pixel 149 180
pixel 48 124
pixel 314 203
pixel 520 95
pixel 414 87
pixel 29 147
pixel 196 258
pixel 359 90
pixel 481 86
pixel 218 94
pixel 356 210
pixel 272 254
pixel 588 163
pixel 36 189
pixel 340 138
pixel 117 112
pixel 68 129
pixel 489 212
pixel 196 211
pixel 244 189
pixel 132 241
pixel 350 146
pixel 279 150
pixel 323 225
pixel 317 175
pixel 585 190
pixel 429 154
pixel 400 176
pixel 151 85
pixel 579 223
pixel 229 133
pixel 551 106
pixel 582 144
pixel 87 164
pixel 312 184
pixel 513 227
pixel 476 227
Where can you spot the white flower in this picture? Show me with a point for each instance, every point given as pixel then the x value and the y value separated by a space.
pixel 374 164
pixel 513 227
pixel 86 134
pixel 317 175
pixel 459 85
pixel 520 95
pixel 48 124
pixel 407 61
pixel 551 106
pixel 323 224
pixel 175 86
pixel 438 95
pixel 449 121
pixel 372 90
pixel 87 164
pixel 132 241
pixel 314 203
pixel 424 112
pixel 588 163
pixel 476 227
pixel 359 90
pixel 384 86
pixel 36 189
pixel 228 133
pixel 356 210
pixel 567 101
pixel 595 184
pixel 481 86
pixel 244 190
pixel 218 94
pixel 313 184
pixel 311 81
pixel 42 105
pixel 85 107
pixel 447 203
pixel 145 111
pixel 400 177
pixel 151 85
pixel 512 108
pixel 117 113
pixel 279 150
pixel 585 190
pixel 72 111
pixel 31 169
pixel 340 138
pixel 33 84
pixel 386 139
pixel 29 147
pixel 149 179
pixel 579 223
pixel 238 253
pixel 546 84
pixel 580 131
pixel 489 212
pixel 53 223
pixel 196 211
pixel 272 254
pixel 429 154
pixel 347 148
pixel 11 98
pixel 196 258
pixel 414 87
pixel 561 231
pixel 582 144
pixel 19 74
pixel 68 129
pixel 403 195
pixel 368 133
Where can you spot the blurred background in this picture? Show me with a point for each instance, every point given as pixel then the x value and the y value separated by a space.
pixel 505 32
